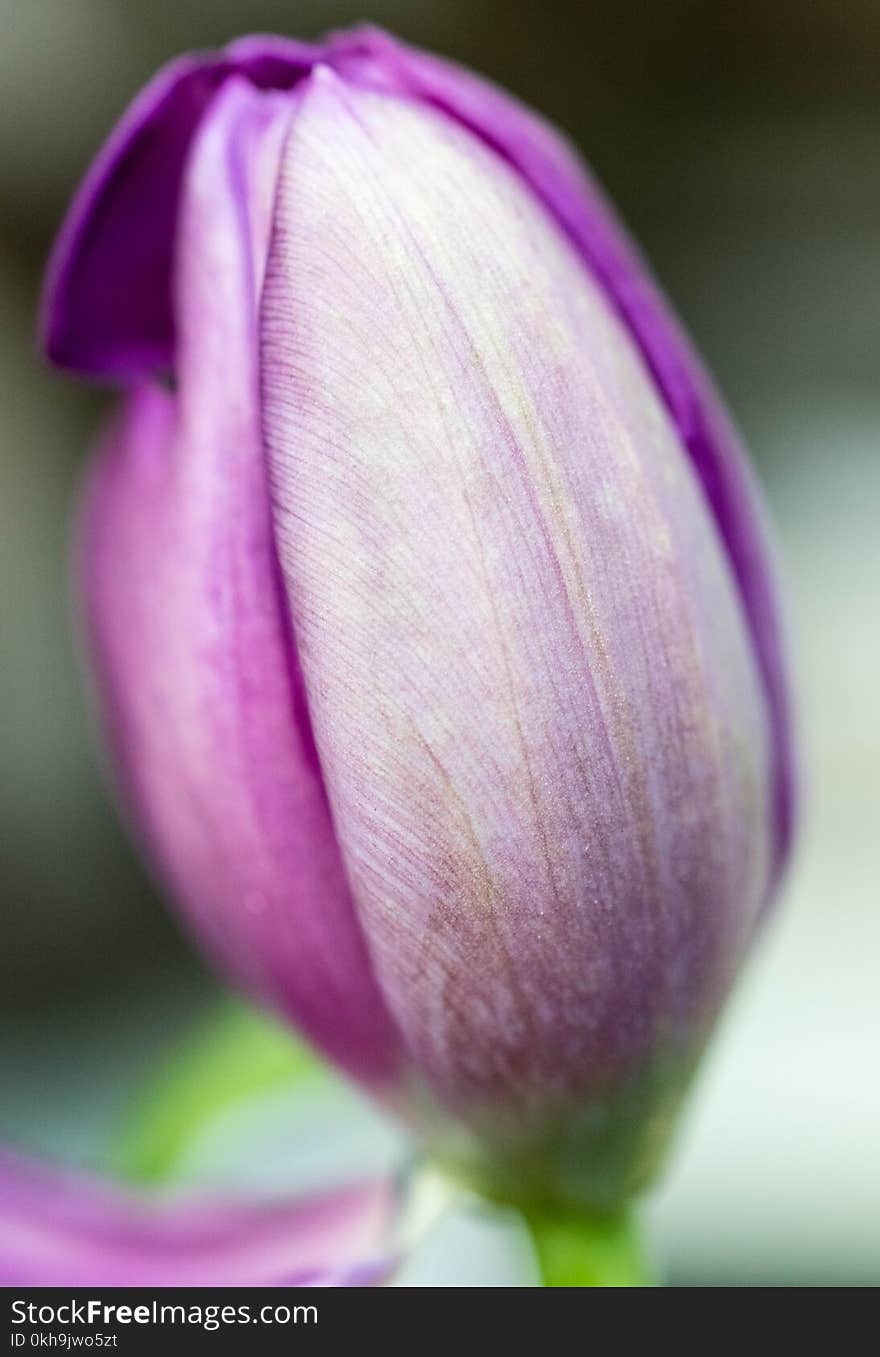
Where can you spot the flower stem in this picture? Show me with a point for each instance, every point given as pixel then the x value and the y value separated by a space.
pixel 589 1250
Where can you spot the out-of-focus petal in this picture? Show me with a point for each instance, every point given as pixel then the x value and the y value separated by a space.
pixel 536 706
pixel 196 664
pixel 58 1228
pixel 559 177
pixel 108 306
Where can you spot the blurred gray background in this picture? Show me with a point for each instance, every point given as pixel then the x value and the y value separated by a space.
pixel 740 142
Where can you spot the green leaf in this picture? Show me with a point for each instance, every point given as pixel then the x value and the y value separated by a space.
pixel 236 1053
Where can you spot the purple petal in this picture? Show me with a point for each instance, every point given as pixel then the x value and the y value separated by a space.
pixel 58 1228
pixel 560 179
pixel 536 704
pixel 108 306
pixel 196 663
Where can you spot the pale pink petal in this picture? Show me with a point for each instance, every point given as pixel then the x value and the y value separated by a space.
pixel 534 697
pixel 555 172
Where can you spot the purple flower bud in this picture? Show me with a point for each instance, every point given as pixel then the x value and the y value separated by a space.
pixel 431 606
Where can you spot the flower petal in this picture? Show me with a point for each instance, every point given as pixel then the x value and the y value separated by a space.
pixel 559 177
pixel 58 1228
pixel 107 306
pixel 534 698
pixel 196 664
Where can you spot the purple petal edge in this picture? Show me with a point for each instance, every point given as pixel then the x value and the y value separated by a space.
pixel 61 1228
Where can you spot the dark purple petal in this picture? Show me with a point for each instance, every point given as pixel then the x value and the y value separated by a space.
pixel 59 1228
pixel 108 307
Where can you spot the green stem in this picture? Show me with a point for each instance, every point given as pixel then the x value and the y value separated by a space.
pixel 589 1250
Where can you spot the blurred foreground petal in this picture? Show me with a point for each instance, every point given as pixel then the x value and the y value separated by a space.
pixel 58 1228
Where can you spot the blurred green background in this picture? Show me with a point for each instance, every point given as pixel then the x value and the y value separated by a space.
pixel 740 143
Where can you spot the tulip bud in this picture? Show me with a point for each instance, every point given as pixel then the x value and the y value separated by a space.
pixel 431 611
